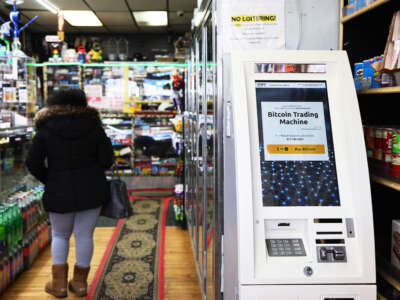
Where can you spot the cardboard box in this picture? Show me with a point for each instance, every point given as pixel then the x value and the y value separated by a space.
pixel 395 250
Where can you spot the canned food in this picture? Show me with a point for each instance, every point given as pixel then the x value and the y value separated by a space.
pixel 387 157
pixel 379 138
pixel 396 165
pixel 378 154
pixel 370 137
pixel 370 153
pixel 396 141
pixel 387 138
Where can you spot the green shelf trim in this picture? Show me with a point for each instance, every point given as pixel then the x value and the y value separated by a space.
pixel 99 65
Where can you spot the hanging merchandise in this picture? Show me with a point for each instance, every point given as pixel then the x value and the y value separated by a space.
pixel 81 56
pixel 123 49
pixel 110 49
pixel 71 56
pixel 14 17
pixel 55 46
pixel 95 54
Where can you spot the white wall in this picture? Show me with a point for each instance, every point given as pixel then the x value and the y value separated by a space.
pixel 320 24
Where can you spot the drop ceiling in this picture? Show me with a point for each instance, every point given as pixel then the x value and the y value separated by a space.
pixel 116 15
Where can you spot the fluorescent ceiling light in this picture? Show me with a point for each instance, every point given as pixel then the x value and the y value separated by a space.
pixel 81 18
pixel 151 18
pixel 48 5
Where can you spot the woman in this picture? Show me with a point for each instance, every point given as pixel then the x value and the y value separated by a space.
pixel 69 154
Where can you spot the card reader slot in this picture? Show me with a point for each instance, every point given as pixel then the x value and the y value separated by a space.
pixel 328 220
pixel 329 241
pixel 329 232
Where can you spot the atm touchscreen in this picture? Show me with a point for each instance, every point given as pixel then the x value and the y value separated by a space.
pixel 296 147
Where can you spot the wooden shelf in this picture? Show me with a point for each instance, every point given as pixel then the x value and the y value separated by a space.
pixel 388 272
pixel 380 173
pixel 363 10
pixel 386 90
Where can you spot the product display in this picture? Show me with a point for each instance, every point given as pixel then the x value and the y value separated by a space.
pixel 56 77
pixel 383 144
pixel 235 126
pixel 24 233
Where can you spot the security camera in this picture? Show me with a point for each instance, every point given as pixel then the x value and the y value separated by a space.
pixel 180 13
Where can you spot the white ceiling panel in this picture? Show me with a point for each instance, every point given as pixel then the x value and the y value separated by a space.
pixel 45 17
pixel 175 19
pixel 123 29
pixel 148 4
pixel 116 18
pixel 185 5
pixel 107 5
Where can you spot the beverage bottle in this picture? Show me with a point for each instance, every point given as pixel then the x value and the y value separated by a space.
pixel 7 228
pixel 25 249
pixel 1 273
pixel 11 263
pixel 3 242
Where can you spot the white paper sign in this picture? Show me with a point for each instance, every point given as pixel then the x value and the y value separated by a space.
pixel 294 131
pixel 253 25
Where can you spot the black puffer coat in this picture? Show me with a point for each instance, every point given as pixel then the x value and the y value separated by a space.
pixel 69 154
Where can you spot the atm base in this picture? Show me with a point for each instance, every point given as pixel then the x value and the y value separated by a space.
pixel 308 292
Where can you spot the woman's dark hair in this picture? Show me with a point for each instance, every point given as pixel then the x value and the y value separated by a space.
pixel 75 97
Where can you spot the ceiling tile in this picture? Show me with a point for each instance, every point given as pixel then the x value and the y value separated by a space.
pixel 186 5
pixel 153 29
pixel 108 5
pixel 30 4
pixel 93 29
pixel 180 28
pixel 116 18
pixel 70 4
pixel 45 17
pixel 148 4
pixel 175 19
pixel 123 29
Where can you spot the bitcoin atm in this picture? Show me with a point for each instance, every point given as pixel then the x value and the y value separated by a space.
pixel 297 206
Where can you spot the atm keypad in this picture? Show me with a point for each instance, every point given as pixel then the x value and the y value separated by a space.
pixel 285 247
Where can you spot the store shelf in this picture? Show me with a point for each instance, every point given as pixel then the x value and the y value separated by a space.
pixel 152 102
pixel 363 10
pixel 154 114
pixel 388 272
pixel 116 115
pixel 386 90
pixel 380 173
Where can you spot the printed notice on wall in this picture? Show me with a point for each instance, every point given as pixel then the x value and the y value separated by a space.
pixel 254 26
pixel 294 131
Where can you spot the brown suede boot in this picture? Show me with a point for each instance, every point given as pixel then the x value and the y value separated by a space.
pixel 58 285
pixel 78 284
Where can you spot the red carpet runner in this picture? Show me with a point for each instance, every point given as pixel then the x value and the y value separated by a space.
pixel 133 265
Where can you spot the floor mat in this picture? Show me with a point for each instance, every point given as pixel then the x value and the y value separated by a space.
pixel 133 264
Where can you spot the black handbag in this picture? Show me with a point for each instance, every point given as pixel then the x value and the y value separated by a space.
pixel 118 205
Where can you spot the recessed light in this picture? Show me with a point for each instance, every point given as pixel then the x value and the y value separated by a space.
pixel 151 18
pixel 84 18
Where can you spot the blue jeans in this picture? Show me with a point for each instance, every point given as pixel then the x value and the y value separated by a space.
pixel 82 224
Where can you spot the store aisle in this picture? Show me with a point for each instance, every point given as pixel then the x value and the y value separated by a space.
pixel 180 273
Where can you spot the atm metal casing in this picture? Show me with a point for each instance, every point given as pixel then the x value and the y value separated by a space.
pixel 248 271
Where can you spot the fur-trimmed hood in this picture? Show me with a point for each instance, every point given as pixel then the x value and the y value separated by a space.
pixel 68 120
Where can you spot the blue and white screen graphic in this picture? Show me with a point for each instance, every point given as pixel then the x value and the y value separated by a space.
pixel 296 146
